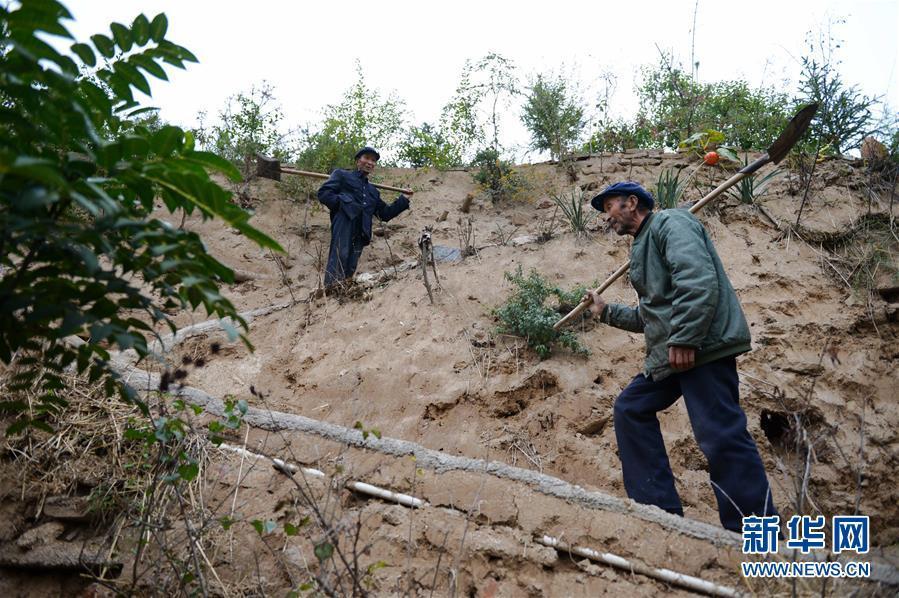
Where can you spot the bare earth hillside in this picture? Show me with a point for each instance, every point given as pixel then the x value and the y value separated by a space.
pixel 819 389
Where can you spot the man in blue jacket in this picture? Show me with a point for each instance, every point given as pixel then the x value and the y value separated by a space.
pixel 352 201
pixel 694 328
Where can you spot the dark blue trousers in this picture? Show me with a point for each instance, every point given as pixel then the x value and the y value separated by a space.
pixel 711 394
pixel 346 248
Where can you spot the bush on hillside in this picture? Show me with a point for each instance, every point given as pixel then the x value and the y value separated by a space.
pixel 527 315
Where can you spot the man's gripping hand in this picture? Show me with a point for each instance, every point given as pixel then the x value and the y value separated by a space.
pixel 596 302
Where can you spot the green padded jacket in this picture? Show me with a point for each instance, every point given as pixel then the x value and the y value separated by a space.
pixel 685 298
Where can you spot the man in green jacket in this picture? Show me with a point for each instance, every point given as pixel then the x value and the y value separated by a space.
pixel 694 328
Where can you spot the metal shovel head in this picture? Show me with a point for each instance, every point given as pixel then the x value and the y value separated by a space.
pixel 268 167
pixel 796 127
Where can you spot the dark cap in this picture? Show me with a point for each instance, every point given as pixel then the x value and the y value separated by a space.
pixel 624 189
pixel 368 150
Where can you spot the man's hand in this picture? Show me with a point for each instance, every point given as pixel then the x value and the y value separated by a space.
pixel 681 358
pixel 409 194
pixel 596 305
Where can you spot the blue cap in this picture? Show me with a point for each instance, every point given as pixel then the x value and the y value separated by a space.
pixel 368 150
pixel 624 188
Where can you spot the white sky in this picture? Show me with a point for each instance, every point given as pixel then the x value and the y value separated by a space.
pixel 307 49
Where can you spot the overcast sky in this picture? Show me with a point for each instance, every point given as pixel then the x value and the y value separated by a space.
pixel 307 50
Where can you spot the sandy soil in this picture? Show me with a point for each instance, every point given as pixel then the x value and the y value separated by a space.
pixel 824 355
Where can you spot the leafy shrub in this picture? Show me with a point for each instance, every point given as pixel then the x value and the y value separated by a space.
pixel 362 117
pixel 676 106
pixel 621 135
pixel 552 115
pixel 526 314
pixel 844 115
pixel 496 177
pixel 80 252
pixel 249 124
pixel 427 146
pixel 459 118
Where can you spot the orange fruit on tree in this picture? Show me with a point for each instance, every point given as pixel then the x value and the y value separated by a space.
pixel 711 158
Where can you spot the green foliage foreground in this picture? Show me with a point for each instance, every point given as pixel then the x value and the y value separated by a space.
pixel 80 253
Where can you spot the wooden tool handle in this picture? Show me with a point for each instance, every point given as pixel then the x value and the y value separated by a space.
pixel 586 302
pixel 320 175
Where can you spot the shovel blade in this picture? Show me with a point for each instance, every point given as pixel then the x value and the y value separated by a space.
pixel 796 127
pixel 268 168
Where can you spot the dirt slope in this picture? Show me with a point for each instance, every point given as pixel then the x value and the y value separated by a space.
pixel 440 376
pixel 823 370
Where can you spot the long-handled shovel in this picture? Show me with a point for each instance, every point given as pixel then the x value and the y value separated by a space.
pixel 270 168
pixel 778 150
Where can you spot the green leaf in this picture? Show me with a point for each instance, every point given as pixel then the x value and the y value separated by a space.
pixel 151 66
pixel 142 110
pixel 132 434
pixel 158 27
pixel 35 197
pixel 264 527
pixel 39 16
pixel 17 426
pixel 40 424
pixel 211 160
pixel 140 29
pixel 727 154
pixel 134 76
pixel 122 36
pixel 90 259
pixel 104 45
pixel 38 169
pixel 226 522
pixel 323 551
pixel 290 529
pixel 166 140
pixel 85 53
pixel 13 406
pixel 188 471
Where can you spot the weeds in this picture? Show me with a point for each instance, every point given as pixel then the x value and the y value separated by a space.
pixel 144 475
pixel 465 230
pixel 752 187
pixel 546 229
pixel 573 209
pixel 868 256
pixel 669 188
pixel 503 236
